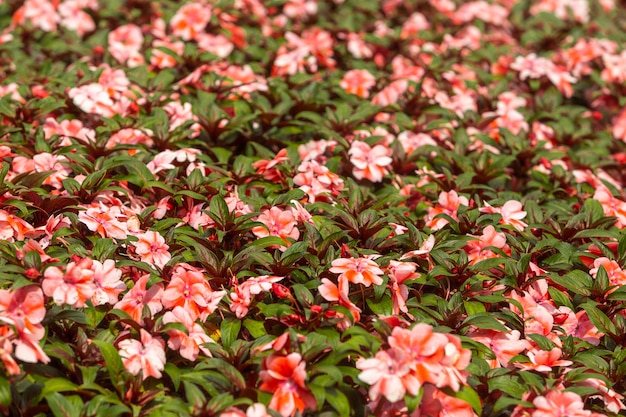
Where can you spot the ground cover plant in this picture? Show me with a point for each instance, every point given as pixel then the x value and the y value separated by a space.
pixel 312 208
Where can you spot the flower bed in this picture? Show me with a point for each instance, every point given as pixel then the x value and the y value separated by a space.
pixel 312 207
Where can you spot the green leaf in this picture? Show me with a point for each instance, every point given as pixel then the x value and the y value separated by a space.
pixel 575 281
pixel 61 406
pixel 57 385
pixel 229 330
pixel 338 400
pixel 484 321
pixel 218 211
pixel 470 396
pixel 112 359
pixel 255 327
pixel 5 392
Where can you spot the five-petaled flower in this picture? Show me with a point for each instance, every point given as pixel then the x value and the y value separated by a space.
pixel 285 376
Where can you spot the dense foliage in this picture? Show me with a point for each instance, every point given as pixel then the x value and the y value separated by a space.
pixel 312 207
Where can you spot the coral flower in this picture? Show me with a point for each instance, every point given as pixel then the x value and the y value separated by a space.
pixel 24 309
pixel 138 297
pixel 277 222
pixel 478 250
pixel 543 361
pixel 617 276
pixel 423 347
pixel 74 286
pixel 125 42
pixel 504 345
pixel 190 20
pixel 332 292
pixel 107 282
pixel 190 289
pixel 190 343
pixel 449 203
pixel 268 169
pixel 152 249
pixel 358 82
pixel 6 349
pixel 559 404
pixel 103 220
pixel 389 375
pixel 391 94
pixel 399 272
pixel 511 212
pixel 369 162
pixel 12 227
pixel 358 271
pixel 146 356
pixel 285 376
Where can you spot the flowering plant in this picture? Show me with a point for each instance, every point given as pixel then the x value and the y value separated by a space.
pixel 312 207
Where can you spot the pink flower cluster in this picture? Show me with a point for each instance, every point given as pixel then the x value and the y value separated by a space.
pixel 415 357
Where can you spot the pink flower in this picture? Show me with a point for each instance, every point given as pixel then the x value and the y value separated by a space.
pixel 216 44
pixel 73 18
pixel 255 410
pixel 188 344
pixel 190 20
pixel 107 282
pixel 399 272
pixel 284 376
pixel 544 361
pixel 619 126
pixel 389 375
pixel 277 222
pixel 332 292
pixel 449 203
pixel 12 227
pixel 358 271
pixel 370 163
pixel 128 136
pixel 68 129
pixel 317 181
pixel 511 212
pixel 190 289
pixel 504 345
pixel 6 349
pixel 617 276
pixel 104 220
pixel 412 141
pixel 479 250
pixel 268 168
pixel 45 161
pixel 92 98
pixel 559 404
pixel 139 297
pixel 41 14
pixel 612 206
pixel 531 66
pixel 563 8
pixel 241 299
pixel 152 249
pixel 161 59
pixel 358 82
pixel 125 43
pixel 74 286
pixel 146 356
pixel 612 399
pixel 432 357
pixel 24 310
pixel 390 94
